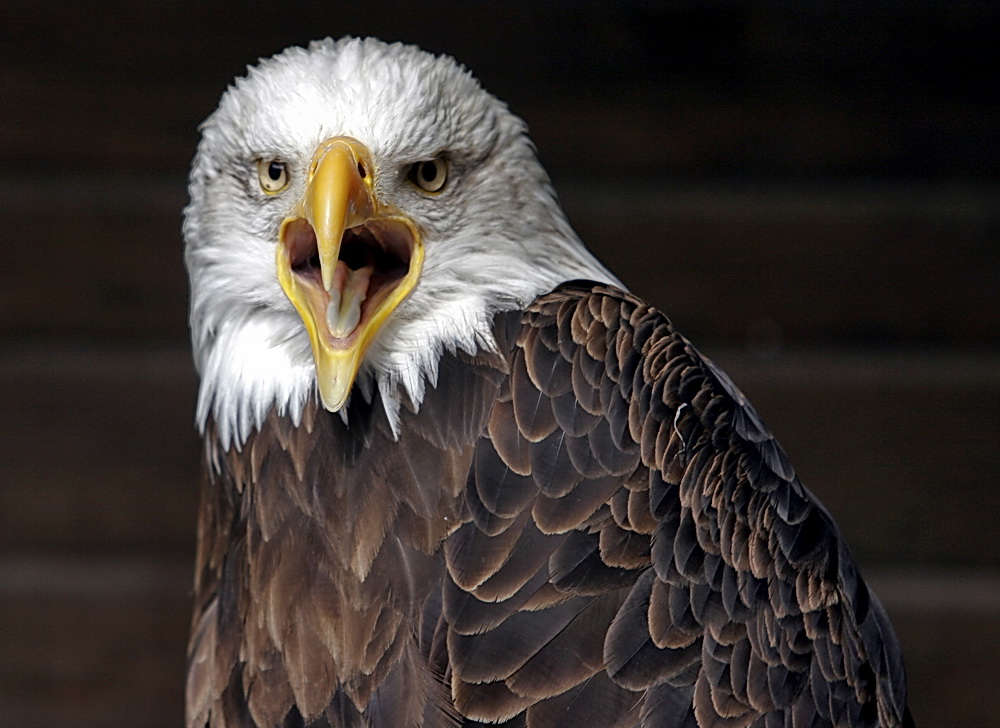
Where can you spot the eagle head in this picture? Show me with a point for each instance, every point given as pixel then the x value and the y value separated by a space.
pixel 358 208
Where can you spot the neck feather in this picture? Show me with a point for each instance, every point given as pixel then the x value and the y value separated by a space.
pixel 260 360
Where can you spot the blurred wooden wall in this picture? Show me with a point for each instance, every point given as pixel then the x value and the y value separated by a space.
pixel 810 193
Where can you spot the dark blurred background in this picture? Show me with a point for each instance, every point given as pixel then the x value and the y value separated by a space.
pixel 809 190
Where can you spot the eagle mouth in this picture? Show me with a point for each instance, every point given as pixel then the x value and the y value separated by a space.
pixel 372 260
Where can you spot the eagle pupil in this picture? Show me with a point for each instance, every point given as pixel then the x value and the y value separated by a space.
pixel 275 170
pixel 428 171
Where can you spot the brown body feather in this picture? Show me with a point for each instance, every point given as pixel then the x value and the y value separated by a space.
pixel 592 528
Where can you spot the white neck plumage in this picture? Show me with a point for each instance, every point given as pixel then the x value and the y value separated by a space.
pixel 256 360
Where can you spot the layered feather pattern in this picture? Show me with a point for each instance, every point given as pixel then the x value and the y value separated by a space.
pixel 591 527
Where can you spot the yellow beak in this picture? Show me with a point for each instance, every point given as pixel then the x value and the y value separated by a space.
pixel 346 262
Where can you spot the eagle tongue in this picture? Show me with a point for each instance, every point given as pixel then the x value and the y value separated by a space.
pixel 347 294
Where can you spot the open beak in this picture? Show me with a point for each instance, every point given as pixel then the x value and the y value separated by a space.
pixel 346 262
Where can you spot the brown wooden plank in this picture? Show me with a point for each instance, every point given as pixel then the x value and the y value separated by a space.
pixel 675 88
pixel 871 266
pixel 93 643
pixel 98 450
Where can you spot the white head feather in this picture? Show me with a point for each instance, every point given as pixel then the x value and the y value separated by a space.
pixel 495 238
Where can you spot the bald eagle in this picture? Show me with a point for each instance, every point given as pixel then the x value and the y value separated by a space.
pixel 455 474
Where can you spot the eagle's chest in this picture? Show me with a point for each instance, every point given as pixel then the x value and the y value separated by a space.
pixel 320 554
pixel 343 534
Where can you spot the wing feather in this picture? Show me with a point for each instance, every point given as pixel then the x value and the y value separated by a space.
pixel 701 583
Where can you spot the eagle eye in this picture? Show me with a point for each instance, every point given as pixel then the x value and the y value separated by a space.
pixel 429 175
pixel 273 175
